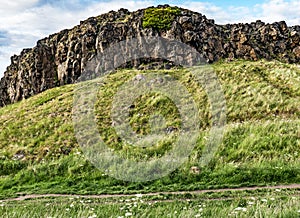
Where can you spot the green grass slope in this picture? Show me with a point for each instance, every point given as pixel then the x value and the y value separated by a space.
pixel 39 152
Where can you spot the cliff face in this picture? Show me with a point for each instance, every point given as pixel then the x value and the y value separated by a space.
pixel 60 58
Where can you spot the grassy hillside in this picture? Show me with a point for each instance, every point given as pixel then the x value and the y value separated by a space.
pixel 39 152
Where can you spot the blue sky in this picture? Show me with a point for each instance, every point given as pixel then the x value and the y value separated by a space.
pixel 23 22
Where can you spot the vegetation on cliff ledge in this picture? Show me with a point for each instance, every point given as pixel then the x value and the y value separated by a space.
pixel 160 18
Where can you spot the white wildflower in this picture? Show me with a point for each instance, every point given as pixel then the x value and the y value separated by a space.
pixel 138 195
pixel 241 209
pixel 128 214
pixel 264 200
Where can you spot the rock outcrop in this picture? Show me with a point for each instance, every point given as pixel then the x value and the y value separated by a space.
pixel 61 58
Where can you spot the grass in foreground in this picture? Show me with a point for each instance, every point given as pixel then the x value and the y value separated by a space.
pixel 263 203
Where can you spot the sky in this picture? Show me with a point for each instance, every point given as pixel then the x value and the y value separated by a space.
pixel 23 22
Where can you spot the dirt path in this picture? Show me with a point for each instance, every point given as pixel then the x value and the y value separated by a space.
pixel 34 196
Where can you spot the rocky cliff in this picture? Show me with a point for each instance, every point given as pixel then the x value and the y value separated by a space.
pixel 60 58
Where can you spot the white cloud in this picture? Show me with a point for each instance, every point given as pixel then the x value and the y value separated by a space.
pixel 8 7
pixel 277 10
pixel 25 21
pixel 270 11
pixel 210 10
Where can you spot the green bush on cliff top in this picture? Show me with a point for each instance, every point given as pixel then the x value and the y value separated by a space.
pixel 160 18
